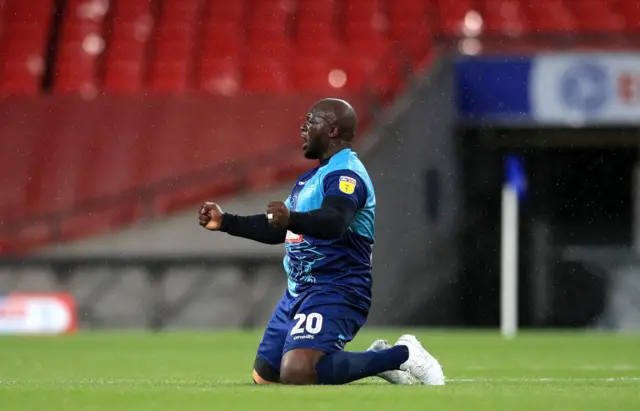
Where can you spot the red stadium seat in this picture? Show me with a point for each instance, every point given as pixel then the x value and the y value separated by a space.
pixel 316 20
pixel 170 76
pixel 504 17
pixel 364 19
pixel 174 57
pixel 273 47
pixel 451 16
pixel 76 71
pixel 268 28
pixel 126 56
pixel 630 10
pixel 79 46
pixel 266 75
pixel 124 76
pixel 224 10
pixel 555 17
pixel 326 75
pixel 269 18
pixel 24 35
pixel 597 16
pixel 223 40
pixel 131 10
pixel 21 75
pixel 220 76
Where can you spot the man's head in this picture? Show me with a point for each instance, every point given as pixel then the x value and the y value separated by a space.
pixel 330 126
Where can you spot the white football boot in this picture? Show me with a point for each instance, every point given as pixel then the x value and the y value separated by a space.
pixel 397 377
pixel 421 365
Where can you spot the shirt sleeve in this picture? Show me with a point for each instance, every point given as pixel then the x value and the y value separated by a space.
pixel 346 183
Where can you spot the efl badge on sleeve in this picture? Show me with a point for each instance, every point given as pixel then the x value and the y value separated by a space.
pixel 347 185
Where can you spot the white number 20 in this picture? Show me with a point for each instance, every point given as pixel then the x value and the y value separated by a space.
pixel 312 323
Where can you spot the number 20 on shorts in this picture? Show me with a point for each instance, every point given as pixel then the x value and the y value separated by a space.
pixel 312 323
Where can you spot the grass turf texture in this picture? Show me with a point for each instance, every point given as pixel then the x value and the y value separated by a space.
pixel 212 371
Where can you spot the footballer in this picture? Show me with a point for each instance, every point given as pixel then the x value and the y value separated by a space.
pixel 327 227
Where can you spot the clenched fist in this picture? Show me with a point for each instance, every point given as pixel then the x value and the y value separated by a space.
pixel 278 214
pixel 210 216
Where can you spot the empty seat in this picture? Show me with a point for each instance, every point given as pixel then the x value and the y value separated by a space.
pixel 269 18
pixel 171 76
pixel 25 36
pixel 630 10
pixel 124 76
pixel 172 68
pixel 364 19
pixel 220 76
pixel 554 17
pixel 596 16
pixel 316 20
pixel 80 44
pixel 452 16
pixel 268 28
pixel 227 44
pixel 21 75
pixel 266 75
pixel 322 74
pixel 224 10
pixel 126 57
pixel 75 69
pixel 504 17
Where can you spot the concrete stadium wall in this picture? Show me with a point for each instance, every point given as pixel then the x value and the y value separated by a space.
pixel 413 166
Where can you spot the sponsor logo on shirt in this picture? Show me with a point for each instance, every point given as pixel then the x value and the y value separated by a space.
pixel 293 238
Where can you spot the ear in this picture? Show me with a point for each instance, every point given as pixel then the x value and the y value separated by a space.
pixel 334 132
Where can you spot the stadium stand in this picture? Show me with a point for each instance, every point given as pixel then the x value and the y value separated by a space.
pixel 151 98
pixel 25 33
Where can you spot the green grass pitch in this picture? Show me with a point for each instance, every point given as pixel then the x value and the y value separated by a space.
pixel 212 371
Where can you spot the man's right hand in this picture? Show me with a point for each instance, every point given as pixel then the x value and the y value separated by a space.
pixel 210 216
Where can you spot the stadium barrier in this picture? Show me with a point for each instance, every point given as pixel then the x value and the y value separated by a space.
pixel 159 309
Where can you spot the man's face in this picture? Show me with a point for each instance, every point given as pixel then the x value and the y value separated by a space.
pixel 315 133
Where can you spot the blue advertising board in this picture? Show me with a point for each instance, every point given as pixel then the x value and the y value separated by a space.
pixel 550 89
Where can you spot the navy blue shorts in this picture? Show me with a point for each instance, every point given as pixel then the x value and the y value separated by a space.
pixel 318 319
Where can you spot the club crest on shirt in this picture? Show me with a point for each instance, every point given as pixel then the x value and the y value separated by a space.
pixel 347 184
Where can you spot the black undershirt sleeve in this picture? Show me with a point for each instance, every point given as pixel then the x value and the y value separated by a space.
pixel 331 220
pixel 253 227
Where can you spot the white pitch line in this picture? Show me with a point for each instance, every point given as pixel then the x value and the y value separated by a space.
pixel 588 367
pixel 550 379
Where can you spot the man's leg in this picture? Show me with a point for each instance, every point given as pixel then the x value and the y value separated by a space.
pixel 266 368
pixel 313 350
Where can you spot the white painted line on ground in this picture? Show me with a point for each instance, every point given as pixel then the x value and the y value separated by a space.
pixel 543 379
pixel 587 367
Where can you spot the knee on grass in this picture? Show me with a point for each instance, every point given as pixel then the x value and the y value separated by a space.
pixel 298 374
pixel 299 367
